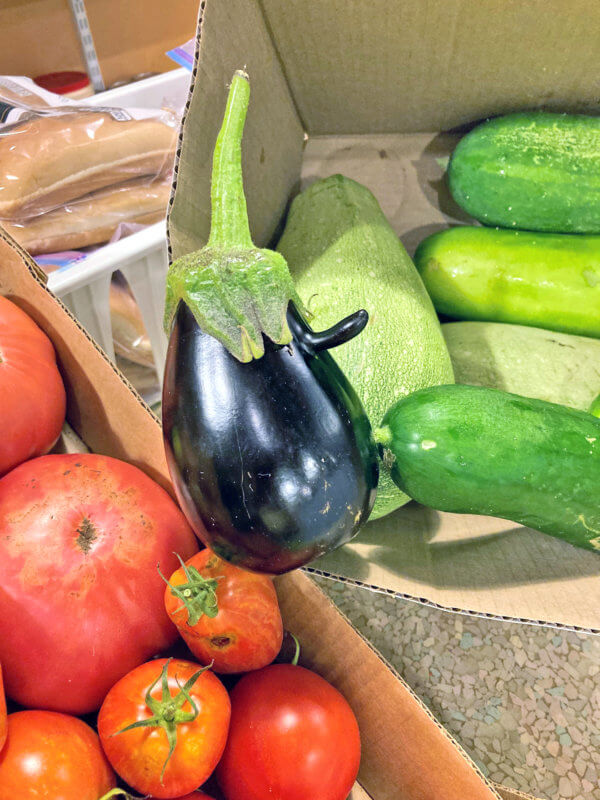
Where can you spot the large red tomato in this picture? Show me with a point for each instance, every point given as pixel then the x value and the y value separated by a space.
pixel 292 736
pixel 3 723
pixel 49 755
pixel 81 602
pixel 178 718
pixel 32 394
pixel 227 616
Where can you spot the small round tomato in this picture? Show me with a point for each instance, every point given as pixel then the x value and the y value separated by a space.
pixel 50 755
pixel 228 617
pixel 292 736
pixel 32 394
pixel 164 726
pixel 3 722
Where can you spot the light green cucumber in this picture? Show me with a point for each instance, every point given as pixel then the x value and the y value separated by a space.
pixel 556 367
pixel 595 406
pixel 548 280
pixel 344 255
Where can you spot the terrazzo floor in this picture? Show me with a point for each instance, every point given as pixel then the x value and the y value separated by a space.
pixel 523 700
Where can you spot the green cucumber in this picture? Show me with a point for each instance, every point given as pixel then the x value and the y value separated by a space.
pixel 557 367
pixel 473 450
pixel 343 255
pixel 547 280
pixel 537 171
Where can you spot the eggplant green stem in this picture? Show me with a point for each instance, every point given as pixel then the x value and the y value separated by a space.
pixel 198 595
pixel 168 713
pixel 229 225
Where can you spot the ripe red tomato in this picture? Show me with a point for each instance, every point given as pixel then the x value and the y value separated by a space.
pixel 179 750
pixel 225 614
pixel 3 722
pixel 292 736
pixel 49 755
pixel 81 602
pixel 32 394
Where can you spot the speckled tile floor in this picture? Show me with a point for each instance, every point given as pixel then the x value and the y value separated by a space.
pixel 523 700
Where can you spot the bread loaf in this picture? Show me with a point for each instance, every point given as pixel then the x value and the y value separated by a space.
pixel 93 219
pixel 48 161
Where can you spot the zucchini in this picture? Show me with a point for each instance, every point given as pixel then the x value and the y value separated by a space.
pixel 547 280
pixel 557 367
pixel 595 406
pixel 537 171
pixel 343 254
pixel 473 450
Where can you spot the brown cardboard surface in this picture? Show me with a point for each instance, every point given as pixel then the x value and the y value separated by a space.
pixel 234 36
pixel 480 564
pixel 358 67
pixel 399 736
pixel 130 36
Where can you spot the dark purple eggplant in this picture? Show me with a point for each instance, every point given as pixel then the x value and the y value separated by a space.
pixel 273 461
pixel 269 449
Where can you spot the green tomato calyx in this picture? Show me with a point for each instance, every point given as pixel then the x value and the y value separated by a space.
pixel 198 595
pixel 168 712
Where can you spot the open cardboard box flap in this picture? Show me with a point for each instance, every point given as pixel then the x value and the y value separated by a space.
pixel 400 738
pixel 364 89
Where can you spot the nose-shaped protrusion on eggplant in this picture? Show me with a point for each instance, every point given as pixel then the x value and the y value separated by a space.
pixel 340 333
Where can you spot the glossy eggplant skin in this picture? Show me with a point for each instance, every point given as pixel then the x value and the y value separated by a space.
pixel 273 461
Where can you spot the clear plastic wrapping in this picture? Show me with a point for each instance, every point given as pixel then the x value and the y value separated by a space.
pixel 70 174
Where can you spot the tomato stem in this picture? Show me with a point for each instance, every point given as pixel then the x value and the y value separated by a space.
pixel 297 653
pixel 198 595
pixel 168 713
pixel 117 792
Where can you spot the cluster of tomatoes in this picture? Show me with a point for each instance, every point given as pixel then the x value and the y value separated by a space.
pixel 109 612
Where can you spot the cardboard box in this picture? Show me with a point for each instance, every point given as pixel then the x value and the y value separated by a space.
pixel 406 754
pixel 365 89
pixel 380 92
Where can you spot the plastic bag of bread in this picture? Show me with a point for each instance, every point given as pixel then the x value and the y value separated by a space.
pixel 54 151
pixel 93 219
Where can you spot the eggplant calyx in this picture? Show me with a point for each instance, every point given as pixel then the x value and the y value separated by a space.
pixel 237 292
pixel 198 595
pixel 168 713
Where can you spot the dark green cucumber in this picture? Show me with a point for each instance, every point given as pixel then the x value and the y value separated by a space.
pixel 536 171
pixel 473 450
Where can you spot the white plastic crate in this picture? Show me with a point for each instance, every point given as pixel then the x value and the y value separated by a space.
pixel 142 257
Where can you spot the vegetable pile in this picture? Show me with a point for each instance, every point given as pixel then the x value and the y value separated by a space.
pixel 107 607
pixel 109 611
pixel 269 471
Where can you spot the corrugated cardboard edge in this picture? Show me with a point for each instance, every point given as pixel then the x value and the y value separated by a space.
pixel 423 601
pixel 512 794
